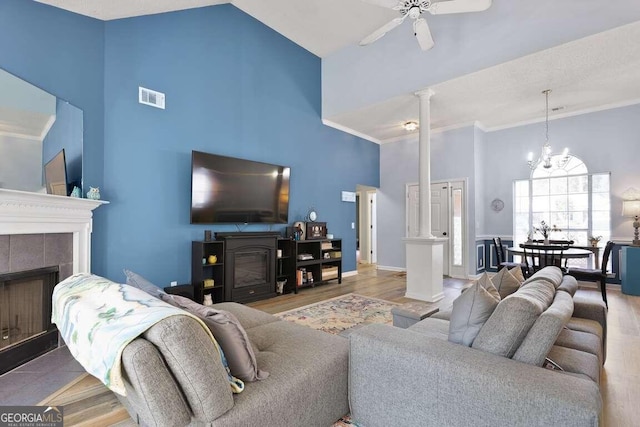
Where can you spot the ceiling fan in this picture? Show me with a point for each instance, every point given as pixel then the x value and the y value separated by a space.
pixel 414 9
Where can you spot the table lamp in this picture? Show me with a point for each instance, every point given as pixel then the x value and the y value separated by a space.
pixel 631 208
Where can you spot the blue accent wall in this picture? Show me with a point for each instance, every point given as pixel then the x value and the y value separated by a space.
pixel 62 53
pixel 233 87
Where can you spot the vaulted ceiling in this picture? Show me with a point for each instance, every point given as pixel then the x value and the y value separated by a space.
pixel 487 68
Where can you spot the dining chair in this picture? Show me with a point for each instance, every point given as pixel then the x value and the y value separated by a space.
pixel 501 257
pixel 538 256
pixel 595 274
pixel 558 242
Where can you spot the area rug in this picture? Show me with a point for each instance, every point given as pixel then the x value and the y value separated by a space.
pixel 341 315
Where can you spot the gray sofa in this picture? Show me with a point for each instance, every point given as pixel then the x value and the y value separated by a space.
pixel 415 376
pixel 174 376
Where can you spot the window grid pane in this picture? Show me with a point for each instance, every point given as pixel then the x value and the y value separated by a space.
pixel 578 204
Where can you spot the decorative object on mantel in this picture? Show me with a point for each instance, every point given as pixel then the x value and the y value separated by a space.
pixel 594 240
pixel 545 229
pixel 546 158
pixel 631 208
pixel 76 193
pixel 93 193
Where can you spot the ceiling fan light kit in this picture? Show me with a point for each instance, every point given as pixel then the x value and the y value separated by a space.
pixel 414 9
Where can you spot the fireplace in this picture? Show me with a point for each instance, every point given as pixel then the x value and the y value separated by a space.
pixel 26 331
pixel 250 260
pixel 38 232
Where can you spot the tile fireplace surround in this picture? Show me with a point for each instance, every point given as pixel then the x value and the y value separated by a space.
pixel 23 213
pixel 41 230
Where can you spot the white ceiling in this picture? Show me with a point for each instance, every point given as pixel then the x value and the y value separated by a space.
pixel 587 74
pixel 592 73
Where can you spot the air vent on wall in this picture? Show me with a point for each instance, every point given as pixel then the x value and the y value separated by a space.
pixel 150 97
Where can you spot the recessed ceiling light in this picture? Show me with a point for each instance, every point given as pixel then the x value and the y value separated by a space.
pixel 410 126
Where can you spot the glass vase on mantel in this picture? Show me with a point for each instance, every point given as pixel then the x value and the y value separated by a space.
pixel 546 241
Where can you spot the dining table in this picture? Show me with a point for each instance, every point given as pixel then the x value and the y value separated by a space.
pixel 569 253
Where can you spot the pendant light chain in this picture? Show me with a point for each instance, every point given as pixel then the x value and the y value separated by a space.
pixel 546 92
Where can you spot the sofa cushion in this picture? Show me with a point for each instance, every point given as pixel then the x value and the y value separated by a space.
pixel 443 315
pixel 550 274
pixel 576 361
pixel 512 319
pixel 137 281
pixel 195 363
pixel 586 325
pixel 156 396
pixel 545 331
pixel 247 316
pixel 228 333
pixel 470 311
pixel 307 367
pixel 569 285
pixel 431 327
pixel 583 341
pixel 505 283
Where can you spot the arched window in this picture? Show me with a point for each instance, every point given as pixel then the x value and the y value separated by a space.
pixel 576 202
pixel 573 166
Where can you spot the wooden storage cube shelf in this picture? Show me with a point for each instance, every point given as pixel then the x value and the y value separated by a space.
pixel 201 271
pixel 329 273
pixel 326 263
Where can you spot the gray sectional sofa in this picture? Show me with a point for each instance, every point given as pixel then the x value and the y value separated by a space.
pixel 415 376
pixel 174 376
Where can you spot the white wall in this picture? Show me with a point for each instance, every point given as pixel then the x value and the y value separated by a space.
pixel 452 157
pixel 606 141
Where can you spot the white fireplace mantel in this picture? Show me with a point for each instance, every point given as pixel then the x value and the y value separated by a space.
pixel 22 212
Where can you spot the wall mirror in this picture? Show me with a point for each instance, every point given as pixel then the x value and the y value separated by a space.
pixel 34 127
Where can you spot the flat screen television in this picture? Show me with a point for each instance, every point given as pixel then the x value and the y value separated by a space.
pixel 238 191
pixel 55 175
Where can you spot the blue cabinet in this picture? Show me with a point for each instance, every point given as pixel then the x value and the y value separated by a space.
pixel 631 270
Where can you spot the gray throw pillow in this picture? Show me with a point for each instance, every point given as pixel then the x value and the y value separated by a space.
pixel 517 273
pixel 486 282
pixel 470 311
pixel 505 283
pixel 141 283
pixel 229 334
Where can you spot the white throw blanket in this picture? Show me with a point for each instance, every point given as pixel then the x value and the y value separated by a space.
pixel 97 318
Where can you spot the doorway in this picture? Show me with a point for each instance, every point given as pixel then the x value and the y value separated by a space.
pixel 448 219
pixel 367 224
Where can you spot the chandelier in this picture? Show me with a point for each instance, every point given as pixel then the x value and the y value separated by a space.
pixel 547 159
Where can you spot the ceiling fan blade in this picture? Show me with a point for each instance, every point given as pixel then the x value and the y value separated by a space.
pixel 423 34
pixel 459 6
pixel 389 4
pixel 382 31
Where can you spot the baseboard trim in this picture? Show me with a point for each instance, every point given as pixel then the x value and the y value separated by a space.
pixel 350 273
pixel 389 268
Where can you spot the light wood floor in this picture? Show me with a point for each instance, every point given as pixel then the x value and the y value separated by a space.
pixel 89 403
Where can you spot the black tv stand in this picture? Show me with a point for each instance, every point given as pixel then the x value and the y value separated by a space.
pixel 221 235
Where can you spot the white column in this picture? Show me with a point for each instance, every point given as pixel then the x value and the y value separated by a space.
pixel 425 252
pixel 424 163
